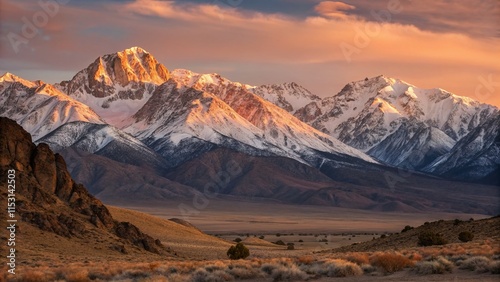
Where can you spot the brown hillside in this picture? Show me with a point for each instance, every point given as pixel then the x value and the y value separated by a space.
pixel 484 229
pixel 54 213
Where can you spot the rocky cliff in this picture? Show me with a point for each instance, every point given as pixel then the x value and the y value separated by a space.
pixel 48 198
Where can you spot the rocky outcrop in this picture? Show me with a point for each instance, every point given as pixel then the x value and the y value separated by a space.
pixel 47 196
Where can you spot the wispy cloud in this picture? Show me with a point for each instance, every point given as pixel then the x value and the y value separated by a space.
pixel 254 46
pixel 333 9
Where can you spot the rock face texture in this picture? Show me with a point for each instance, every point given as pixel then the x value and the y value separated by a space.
pixel 47 196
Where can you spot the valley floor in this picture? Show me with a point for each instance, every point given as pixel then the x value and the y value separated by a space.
pixel 233 216
pixel 314 231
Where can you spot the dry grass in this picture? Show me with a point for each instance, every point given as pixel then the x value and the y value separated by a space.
pixel 306 259
pixel 358 258
pixel 390 262
pixel 277 269
pixel 422 261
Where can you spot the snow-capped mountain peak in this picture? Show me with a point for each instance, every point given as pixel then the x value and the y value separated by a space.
pixel 11 78
pixel 40 107
pixel 117 85
pixel 385 117
pixel 289 96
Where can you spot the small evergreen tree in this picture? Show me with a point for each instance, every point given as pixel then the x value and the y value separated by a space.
pixel 239 251
pixel 465 236
pixel 428 238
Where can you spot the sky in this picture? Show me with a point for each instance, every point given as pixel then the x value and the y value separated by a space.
pixel 321 45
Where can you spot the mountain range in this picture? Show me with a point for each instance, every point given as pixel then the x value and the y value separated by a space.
pixel 131 128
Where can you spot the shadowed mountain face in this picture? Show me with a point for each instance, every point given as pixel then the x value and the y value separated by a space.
pixel 48 198
pixel 223 172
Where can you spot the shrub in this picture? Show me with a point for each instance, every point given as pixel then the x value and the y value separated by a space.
pixel 457 221
pixel 241 272
pixel 335 268
pixel 390 262
pixel 495 267
pixel 280 242
pixel 305 259
pixel 301 241
pixel 237 240
pixel 439 265
pixel 290 246
pixel 465 236
pixel 261 237
pixel 340 268
pixel 407 228
pixel 201 275
pixel 35 276
pixel 288 273
pixel 428 238
pixel 383 236
pixel 239 251
pixel 479 264
pixel 358 258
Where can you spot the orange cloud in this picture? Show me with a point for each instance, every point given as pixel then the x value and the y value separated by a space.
pixel 258 48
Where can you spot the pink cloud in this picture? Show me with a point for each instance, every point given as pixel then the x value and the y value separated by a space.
pixel 333 9
pixel 257 48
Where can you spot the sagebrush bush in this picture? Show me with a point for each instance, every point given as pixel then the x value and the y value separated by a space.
pixel 267 268
pixel 342 268
pixel 495 267
pixel 478 263
pixel 333 268
pixel 438 265
pixel 201 275
pixel 288 273
pixel 390 262
pixel 244 272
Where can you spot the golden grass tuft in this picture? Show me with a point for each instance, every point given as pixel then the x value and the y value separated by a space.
pixel 358 258
pixel 306 259
pixel 390 262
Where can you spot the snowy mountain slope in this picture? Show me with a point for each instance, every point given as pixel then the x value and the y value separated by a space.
pixel 288 96
pixel 60 121
pixel 177 118
pixel 412 146
pixel 104 140
pixel 117 85
pixel 277 126
pixel 475 156
pixel 374 115
pixel 39 107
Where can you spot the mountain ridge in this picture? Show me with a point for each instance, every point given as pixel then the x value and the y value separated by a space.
pixel 150 120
